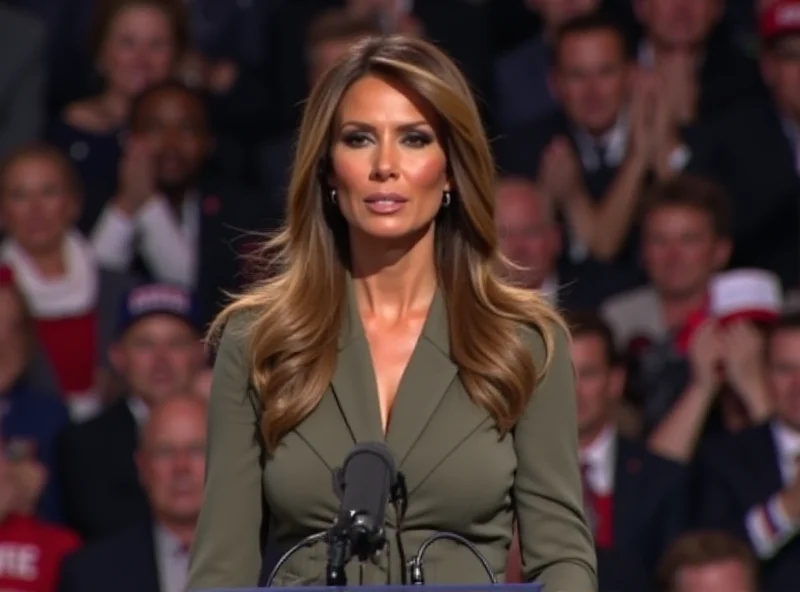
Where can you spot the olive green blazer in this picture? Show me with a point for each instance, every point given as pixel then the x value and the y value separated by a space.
pixel 460 475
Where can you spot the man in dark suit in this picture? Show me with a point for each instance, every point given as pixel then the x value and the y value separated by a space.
pixel 153 555
pixel 749 483
pixel 189 226
pixel 753 151
pixel 635 499
pixel 158 353
pixel 531 239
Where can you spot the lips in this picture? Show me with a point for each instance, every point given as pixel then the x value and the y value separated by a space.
pixel 385 203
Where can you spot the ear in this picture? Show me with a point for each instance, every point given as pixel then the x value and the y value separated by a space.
pixel 616 382
pixel 722 253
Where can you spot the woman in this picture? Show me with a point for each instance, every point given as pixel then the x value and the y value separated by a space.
pixel 135 43
pixel 73 302
pixel 382 319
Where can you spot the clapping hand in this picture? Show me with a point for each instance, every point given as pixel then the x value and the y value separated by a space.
pixel 560 173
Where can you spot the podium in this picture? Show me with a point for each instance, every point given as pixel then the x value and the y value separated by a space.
pixel 533 587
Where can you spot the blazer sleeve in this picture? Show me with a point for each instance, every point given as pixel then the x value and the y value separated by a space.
pixel 226 552
pixel 556 545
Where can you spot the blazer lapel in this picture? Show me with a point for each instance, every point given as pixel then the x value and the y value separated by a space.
pixel 627 477
pixel 432 412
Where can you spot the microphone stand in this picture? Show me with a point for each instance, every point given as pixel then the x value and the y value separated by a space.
pixel 417 574
pixel 306 542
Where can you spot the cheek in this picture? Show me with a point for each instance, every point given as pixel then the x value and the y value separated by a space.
pixel 427 173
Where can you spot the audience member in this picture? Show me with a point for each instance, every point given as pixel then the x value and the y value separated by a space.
pixel 158 353
pixel 749 483
pixel 22 79
pixel 153 556
pixel 634 499
pixel 32 550
pixel 531 240
pixel 30 420
pixel 593 156
pixel 135 43
pixel 754 152
pixel 521 77
pixel 167 218
pixel 708 561
pixel 73 301
pixel 686 46
pixel 685 241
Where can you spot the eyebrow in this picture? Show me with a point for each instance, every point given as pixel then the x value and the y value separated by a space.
pixel 364 126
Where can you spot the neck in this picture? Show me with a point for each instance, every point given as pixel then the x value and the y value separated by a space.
pixel 51 263
pixel 396 280
pixel 676 308
pixel 181 530
pixel 664 52
pixel 589 436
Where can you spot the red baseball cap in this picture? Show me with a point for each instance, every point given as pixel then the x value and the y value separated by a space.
pixel 780 17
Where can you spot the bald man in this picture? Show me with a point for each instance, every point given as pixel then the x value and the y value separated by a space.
pixel 154 556
pixel 531 239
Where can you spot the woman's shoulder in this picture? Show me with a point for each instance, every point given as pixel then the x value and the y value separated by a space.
pixel 544 338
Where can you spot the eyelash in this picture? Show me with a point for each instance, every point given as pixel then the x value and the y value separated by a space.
pixel 412 139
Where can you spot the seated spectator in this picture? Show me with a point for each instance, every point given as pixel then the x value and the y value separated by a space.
pixel 153 555
pixel 135 43
pixel 530 239
pixel 32 550
pixel 594 155
pixel 521 76
pixel 31 420
pixel 72 300
pixel 749 483
pixel 635 500
pixel 685 241
pixel 688 46
pixel 158 353
pixel 753 149
pixel 168 220
pixel 708 561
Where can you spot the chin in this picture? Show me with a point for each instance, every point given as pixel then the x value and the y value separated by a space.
pixel 389 229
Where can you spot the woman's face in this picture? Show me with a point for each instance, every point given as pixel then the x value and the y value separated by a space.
pixel 37 207
pixel 389 168
pixel 14 339
pixel 139 49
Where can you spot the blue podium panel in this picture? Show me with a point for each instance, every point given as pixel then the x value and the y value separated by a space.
pixel 434 588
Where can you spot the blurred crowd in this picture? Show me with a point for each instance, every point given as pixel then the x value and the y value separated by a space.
pixel 649 183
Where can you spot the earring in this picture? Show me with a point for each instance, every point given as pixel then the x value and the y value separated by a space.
pixel 333 196
pixel 446 199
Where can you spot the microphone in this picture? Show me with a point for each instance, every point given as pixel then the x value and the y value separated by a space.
pixel 364 484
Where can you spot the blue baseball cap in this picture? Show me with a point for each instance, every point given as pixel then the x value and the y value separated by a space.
pixel 152 299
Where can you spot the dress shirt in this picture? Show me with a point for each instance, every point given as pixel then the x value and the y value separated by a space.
pixel 172 559
pixel 787 444
pixel 168 246
pixel 599 458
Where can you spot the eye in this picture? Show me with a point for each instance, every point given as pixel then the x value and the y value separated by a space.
pixel 355 139
pixel 417 139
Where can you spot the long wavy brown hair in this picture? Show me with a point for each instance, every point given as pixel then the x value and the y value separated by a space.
pixel 296 312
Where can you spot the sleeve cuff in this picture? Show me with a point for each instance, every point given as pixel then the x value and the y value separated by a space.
pixel 112 238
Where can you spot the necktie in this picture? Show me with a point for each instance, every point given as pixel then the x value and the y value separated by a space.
pixel 589 498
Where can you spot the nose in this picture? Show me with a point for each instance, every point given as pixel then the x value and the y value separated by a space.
pixel 385 165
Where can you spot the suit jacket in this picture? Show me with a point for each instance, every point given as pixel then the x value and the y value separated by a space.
pixel 123 562
pixel 734 474
pixel 101 486
pixel 22 78
pixel 460 476
pixel 649 507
